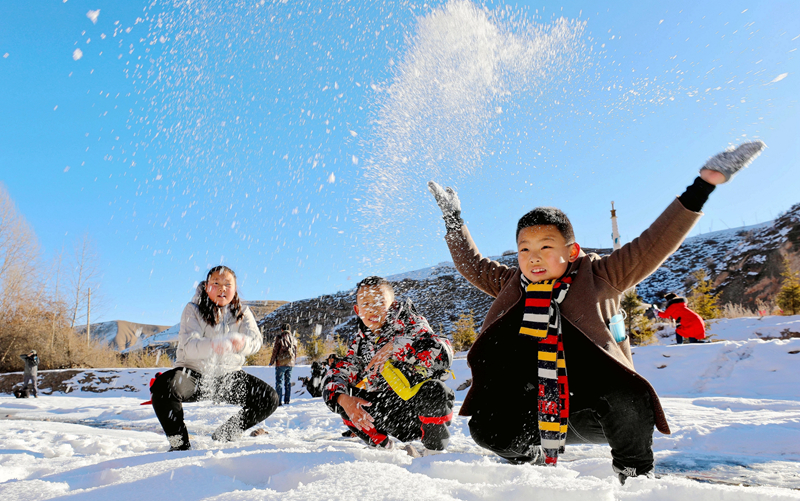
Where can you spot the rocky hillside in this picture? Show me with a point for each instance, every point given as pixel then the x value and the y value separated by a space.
pixel 745 264
pixel 440 293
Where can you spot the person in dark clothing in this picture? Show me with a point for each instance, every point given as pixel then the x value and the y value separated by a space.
pixel 284 352
pixel 557 307
pixel 216 334
pixel 30 373
pixel 390 383
pixel 689 324
pixel 313 383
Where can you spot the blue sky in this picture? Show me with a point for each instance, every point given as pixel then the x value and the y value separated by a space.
pixel 261 136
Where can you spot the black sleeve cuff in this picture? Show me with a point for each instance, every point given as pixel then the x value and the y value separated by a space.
pixel 696 195
pixel 453 222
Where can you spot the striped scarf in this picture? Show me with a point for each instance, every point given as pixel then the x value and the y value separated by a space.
pixel 542 320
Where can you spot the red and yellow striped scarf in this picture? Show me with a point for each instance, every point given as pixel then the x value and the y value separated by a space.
pixel 542 320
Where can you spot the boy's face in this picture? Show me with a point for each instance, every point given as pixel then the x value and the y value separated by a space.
pixel 221 287
pixel 543 253
pixel 372 305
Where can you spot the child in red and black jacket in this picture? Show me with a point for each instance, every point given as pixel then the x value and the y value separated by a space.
pixel 390 383
pixel 689 324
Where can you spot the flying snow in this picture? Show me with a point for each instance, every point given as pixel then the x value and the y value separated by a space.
pixel 779 77
pixel 77 54
pixel 93 15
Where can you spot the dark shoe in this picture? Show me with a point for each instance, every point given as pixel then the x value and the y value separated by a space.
pixel 435 436
pixel 228 432
pixel 386 445
pixel 178 443
pixel 625 473
pixel 348 434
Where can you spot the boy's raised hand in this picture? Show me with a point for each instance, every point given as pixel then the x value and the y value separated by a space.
pixel 449 204
pixel 722 167
pixel 446 198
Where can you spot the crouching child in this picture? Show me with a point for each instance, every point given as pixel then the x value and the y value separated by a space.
pixel 390 383
pixel 547 368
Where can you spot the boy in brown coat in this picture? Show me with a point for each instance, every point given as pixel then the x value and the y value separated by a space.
pixel 547 369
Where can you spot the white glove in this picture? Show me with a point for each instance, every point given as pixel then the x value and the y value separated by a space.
pixel 734 159
pixel 448 202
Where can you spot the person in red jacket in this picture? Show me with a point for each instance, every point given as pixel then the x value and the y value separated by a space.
pixel 689 324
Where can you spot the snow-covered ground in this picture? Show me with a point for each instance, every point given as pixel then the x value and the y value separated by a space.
pixel 734 408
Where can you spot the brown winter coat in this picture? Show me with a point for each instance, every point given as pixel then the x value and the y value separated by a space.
pixel 593 297
pixel 284 350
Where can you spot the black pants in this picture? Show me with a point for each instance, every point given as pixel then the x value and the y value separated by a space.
pixel 623 419
pixel 424 416
pixel 171 389
pixel 607 406
pixel 680 339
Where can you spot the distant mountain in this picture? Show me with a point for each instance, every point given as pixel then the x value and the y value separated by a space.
pixel 439 292
pixel 745 264
pixel 120 334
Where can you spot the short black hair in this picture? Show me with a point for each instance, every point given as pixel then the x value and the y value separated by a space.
pixel 670 296
pixel 286 327
pixel 374 281
pixel 548 216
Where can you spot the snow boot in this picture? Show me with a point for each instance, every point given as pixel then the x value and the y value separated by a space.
pixel 625 473
pixel 435 437
pixel 229 430
pixel 179 443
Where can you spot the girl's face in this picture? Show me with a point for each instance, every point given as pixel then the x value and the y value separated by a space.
pixel 221 287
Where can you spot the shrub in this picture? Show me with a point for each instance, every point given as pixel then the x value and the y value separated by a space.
pixel 788 298
pixel 464 332
pixel 701 300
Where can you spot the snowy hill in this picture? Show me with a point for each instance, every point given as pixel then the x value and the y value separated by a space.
pixel 734 407
pixel 745 264
pixel 120 334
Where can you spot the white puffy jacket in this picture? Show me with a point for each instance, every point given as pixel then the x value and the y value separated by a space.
pixel 196 339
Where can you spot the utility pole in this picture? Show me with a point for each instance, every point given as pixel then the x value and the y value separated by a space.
pixel 614 228
pixel 88 317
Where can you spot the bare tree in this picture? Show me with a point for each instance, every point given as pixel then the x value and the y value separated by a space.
pixel 19 256
pixel 84 273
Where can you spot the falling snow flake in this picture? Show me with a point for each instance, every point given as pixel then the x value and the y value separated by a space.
pixel 93 15
pixel 77 54
pixel 779 77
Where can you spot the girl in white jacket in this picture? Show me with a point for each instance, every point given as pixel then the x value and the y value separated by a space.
pixel 216 336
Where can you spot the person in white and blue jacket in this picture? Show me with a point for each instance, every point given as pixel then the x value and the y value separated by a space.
pixel 216 335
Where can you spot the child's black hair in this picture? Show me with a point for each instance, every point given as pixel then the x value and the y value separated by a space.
pixel 286 327
pixel 548 216
pixel 208 309
pixel 374 281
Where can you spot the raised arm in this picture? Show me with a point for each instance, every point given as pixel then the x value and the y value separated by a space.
pixel 636 260
pixel 485 274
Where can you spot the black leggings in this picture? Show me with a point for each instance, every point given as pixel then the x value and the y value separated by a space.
pixel 257 399
pixel 424 416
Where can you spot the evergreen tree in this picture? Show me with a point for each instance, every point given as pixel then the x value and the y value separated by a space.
pixel 640 329
pixel 788 298
pixel 701 299
pixel 464 332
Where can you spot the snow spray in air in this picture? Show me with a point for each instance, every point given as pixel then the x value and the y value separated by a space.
pixel 434 119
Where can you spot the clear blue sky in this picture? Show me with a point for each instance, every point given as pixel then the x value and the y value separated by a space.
pixel 182 138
